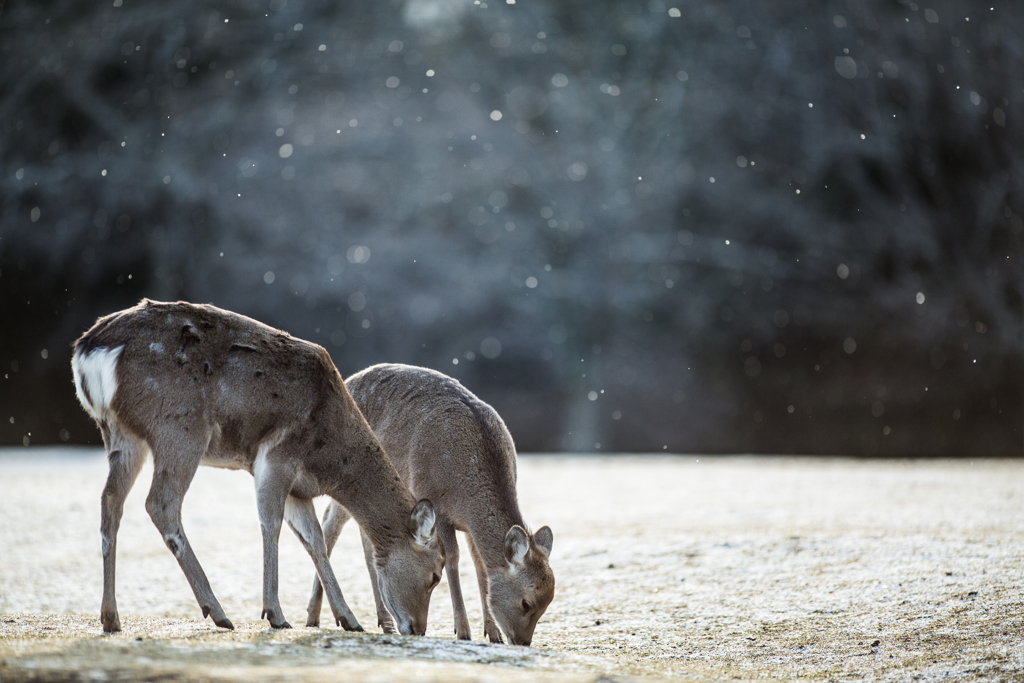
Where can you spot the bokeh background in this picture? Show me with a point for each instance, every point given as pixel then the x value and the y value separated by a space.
pixel 682 225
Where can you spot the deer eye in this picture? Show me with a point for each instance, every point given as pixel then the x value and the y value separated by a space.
pixel 436 580
pixel 526 606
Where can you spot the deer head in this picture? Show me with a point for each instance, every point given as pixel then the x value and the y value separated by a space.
pixel 521 591
pixel 410 569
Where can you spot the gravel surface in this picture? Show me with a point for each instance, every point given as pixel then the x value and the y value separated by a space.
pixel 704 568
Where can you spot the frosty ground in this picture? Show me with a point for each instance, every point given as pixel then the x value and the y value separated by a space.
pixel 703 568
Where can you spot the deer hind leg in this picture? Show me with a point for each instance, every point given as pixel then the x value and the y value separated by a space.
pixel 301 517
pixel 335 517
pixel 175 461
pixel 384 619
pixel 491 629
pixel 125 457
pixel 446 532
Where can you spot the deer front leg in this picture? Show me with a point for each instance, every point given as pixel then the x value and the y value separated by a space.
pixel 491 629
pixel 171 479
pixel 301 517
pixel 383 616
pixel 335 517
pixel 125 464
pixel 272 486
pixel 446 532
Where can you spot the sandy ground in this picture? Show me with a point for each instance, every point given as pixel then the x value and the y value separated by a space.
pixel 667 567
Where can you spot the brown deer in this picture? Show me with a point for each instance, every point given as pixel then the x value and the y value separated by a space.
pixel 193 384
pixel 452 447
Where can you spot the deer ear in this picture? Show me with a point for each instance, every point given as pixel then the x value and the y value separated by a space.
pixel 421 521
pixel 517 543
pixel 544 538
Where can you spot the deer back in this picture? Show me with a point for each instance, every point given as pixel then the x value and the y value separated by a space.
pixel 441 437
pixel 179 365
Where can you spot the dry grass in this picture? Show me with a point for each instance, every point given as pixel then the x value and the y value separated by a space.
pixel 717 568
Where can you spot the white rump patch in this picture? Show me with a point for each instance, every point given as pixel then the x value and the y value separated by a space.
pixel 96 379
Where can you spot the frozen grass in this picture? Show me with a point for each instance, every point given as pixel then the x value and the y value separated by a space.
pixel 691 567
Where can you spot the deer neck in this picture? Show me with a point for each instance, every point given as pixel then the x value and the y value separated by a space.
pixel 371 489
pixel 488 531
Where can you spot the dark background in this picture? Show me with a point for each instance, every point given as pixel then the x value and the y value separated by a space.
pixel 785 227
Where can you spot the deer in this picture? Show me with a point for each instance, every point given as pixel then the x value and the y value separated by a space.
pixel 192 384
pixel 454 448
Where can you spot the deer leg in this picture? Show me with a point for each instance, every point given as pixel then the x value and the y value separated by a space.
pixel 273 482
pixel 125 459
pixel 174 469
pixel 384 619
pixel 446 532
pixel 491 629
pixel 335 517
pixel 301 517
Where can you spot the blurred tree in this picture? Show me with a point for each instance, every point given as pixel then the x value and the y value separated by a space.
pixel 708 226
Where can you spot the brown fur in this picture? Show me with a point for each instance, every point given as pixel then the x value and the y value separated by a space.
pixel 452 447
pixel 200 385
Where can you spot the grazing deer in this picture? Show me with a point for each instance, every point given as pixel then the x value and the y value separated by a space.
pixel 194 384
pixel 452 447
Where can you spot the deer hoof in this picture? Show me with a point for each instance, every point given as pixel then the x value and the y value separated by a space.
pixel 349 625
pixel 111 624
pixel 224 622
pixel 275 620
